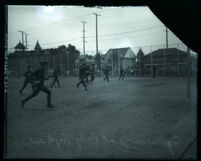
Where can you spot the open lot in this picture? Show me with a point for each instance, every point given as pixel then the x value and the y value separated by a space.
pixel 135 118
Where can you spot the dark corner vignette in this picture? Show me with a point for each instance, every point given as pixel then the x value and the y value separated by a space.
pixel 5 60
pixel 4 67
pixel 5 64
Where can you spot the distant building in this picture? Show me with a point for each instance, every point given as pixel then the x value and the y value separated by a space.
pixel 19 47
pixel 58 57
pixel 169 61
pixel 37 48
pixel 120 57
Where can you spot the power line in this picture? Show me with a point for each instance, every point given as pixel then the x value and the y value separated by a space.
pixel 57 42
pixel 129 37
pixel 93 40
pixel 130 23
pixel 12 33
pixel 56 23
pixel 127 32
pixel 62 22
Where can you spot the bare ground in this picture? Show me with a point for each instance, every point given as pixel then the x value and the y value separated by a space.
pixel 116 119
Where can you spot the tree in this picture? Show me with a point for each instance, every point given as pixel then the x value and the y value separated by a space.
pixel 73 54
pixel 62 48
pixel 71 48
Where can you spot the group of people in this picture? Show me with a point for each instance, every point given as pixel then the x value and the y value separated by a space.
pixel 84 72
pixel 38 77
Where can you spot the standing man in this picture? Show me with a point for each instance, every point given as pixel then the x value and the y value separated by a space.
pixel 27 74
pixel 82 76
pixel 55 77
pixel 106 73
pixel 154 72
pixel 38 78
pixel 122 72
pixel 87 73
pixel 92 74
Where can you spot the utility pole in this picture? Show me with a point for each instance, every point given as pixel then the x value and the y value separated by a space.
pixel 177 59
pixel 119 61
pixel 69 61
pixel 84 39
pixel 75 63
pixel 139 64
pixel 96 31
pixel 166 37
pixel 97 36
pixel 164 60
pixel 151 63
pixel 188 73
pixel 22 36
pixel 112 62
pixel 26 40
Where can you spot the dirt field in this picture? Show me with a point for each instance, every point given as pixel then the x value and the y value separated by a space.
pixel 116 119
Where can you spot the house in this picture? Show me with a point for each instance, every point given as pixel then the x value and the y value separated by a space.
pixel 120 57
pixel 169 61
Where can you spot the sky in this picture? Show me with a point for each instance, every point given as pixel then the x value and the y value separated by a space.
pixel 135 27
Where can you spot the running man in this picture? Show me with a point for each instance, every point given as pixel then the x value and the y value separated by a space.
pixel 38 78
pixel 92 74
pixel 82 76
pixel 87 73
pixel 122 72
pixel 106 73
pixel 55 77
pixel 27 74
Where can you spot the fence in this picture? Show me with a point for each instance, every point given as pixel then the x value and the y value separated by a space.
pixel 17 63
pixel 164 62
pixel 167 62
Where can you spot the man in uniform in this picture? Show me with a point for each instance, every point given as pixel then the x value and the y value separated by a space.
pixel 82 76
pixel 106 73
pixel 27 80
pixel 55 77
pixel 122 72
pixel 38 78
pixel 87 73
pixel 154 72
pixel 92 74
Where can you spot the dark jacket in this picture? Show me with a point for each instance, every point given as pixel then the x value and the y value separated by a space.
pixel 38 77
pixel 27 74
pixel 82 72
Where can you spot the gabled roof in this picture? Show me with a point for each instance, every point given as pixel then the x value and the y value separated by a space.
pixel 123 52
pixel 37 46
pixel 20 46
pixel 167 51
